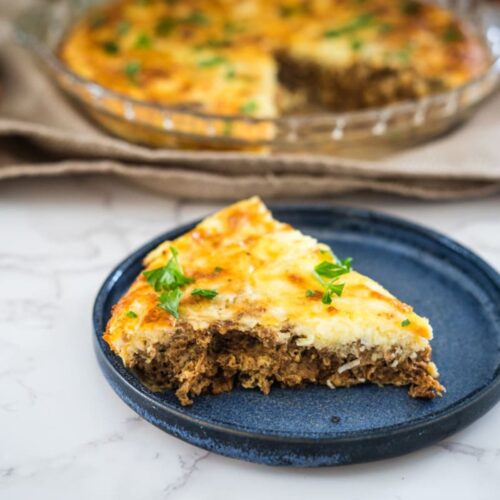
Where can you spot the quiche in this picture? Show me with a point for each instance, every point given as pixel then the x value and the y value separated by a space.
pixel 245 300
pixel 263 58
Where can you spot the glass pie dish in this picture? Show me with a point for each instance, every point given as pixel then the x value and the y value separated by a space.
pixel 364 133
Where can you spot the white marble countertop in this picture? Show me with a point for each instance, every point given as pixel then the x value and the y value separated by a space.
pixel 64 434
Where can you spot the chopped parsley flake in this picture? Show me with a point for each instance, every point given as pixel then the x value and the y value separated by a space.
pixel 332 271
pixel 143 41
pixel 405 322
pixel 110 47
pixel 249 107
pixel 122 27
pixel 360 22
pixel 214 43
pixel 230 74
pixel 212 62
pixel 165 26
pixel 168 277
pixel 292 10
pixel 205 293
pixel 131 314
pixel 310 293
pixel 356 44
pixel 168 281
pixel 227 128
pixel 453 34
pixel 217 269
pixel 386 28
pixel 198 18
pixel 169 301
pixel 411 8
pixel 97 20
pixel 132 70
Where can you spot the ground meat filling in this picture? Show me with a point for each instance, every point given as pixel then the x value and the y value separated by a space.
pixel 193 363
pixel 355 87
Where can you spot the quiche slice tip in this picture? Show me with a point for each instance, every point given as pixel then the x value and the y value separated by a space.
pixel 243 299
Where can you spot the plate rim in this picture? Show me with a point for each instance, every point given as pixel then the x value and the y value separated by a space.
pixel 346 437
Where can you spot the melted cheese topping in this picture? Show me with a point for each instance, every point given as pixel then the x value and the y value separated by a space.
pixel 218 55
pixel 261 270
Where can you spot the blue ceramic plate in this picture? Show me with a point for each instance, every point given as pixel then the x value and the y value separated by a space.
pixel 315 426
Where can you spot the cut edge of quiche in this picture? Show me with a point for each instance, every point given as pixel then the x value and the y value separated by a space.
pixel 245 300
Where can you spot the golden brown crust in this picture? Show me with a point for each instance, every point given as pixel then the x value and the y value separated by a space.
pixel 220 57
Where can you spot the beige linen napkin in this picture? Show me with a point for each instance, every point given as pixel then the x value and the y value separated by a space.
pixel 41 133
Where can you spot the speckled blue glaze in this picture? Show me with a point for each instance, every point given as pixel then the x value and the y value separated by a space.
pixel 316 426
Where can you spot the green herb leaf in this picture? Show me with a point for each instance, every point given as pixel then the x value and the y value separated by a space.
pixel 211 62
pixel 356 44
pixel 386 28
pixel 405 322
pixel 217 269
pixel 227 128
pixel 131 314
pixel 132 70
pixel 292 10
pixel 362 21
pixel 165 26
pixel 249 107
pixel 332 289
pixel 168 277
pixel 169 301
pixel 214 43
pixel 110 47
pixel 310 293
pixel 198 18
pixel 411 8
pixel 334 269
pixel 205 293
pixel 122 27
pixel 230 74
pixel 97 20
pixel 453 34
pixel 143 41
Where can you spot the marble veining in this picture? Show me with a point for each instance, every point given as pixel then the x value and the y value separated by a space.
pixel 63 432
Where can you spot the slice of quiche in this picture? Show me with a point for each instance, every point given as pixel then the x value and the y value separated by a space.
pixel 243 299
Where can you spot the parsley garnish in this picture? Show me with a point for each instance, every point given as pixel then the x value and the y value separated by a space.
pixel 143 41
pixel 357 23
pixel 131 314
pixel 110 47
pixel 131 70
pixel 292 10
pixel 230 74
pixel 168 277
pixel 214 43
pixel 249 107
pixel 122 27
pixel 310 293
pixel 405 322
pixel 198 18
pixel 217 269
pixel 205 293
pixel 411 8
pixel 453 34
pixel 169 301
pixel 169 280
pixel 97 20
pixel 227 129
pixel 332 271
pixel 386 28
pixel 356 44
pixel 212 62
pixel 165 25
